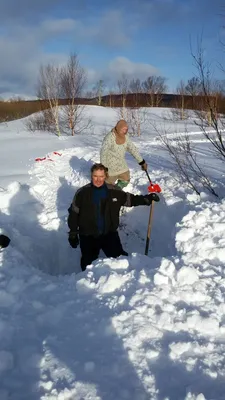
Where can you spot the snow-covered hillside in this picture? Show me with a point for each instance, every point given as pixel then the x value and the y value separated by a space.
pixel 133 328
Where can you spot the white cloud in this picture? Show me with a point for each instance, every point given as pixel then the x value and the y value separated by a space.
pixel 122 65
pixel 58 26
pixel 110 30
pixel 113 70
pixel 21 56
pixel 23 49
pixel 22 46
pixel 92 76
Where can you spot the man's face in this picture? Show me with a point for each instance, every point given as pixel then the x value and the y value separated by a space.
pixel 98 177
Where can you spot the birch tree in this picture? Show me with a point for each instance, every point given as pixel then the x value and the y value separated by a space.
pixel 123 86
pixel 155 87
pixel 49 89
pixel 73 80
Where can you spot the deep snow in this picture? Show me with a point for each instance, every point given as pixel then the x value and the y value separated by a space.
pixel 132 328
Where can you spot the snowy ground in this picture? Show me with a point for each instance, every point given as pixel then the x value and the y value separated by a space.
pixel 134 328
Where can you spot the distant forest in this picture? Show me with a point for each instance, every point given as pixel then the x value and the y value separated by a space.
pixel 11 110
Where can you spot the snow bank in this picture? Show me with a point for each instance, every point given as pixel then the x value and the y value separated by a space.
pixel 134 327
pixel 201 236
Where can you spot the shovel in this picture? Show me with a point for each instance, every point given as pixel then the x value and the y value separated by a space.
pixel 153 188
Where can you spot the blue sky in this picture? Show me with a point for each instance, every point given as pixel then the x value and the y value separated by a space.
pixel 136 37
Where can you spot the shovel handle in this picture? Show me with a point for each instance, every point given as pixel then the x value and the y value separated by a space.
pixel 148 176
pixel 149 228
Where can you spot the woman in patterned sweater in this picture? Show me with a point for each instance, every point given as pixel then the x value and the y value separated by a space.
pixel 112 155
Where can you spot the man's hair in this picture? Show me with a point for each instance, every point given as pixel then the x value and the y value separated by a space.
pixel 99 166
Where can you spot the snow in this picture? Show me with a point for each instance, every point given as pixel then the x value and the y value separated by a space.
pixel 135 327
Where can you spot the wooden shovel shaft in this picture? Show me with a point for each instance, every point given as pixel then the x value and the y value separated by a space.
pixel 149 228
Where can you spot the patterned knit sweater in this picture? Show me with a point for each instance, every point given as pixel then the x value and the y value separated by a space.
pixel 112 155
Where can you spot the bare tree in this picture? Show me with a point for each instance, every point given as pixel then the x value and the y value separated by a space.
pixel 61 85
pixel 135 115
pixel 210 116
pixel 73 80
pixel 15 99
pixel 98 90
pixel 41 121
pixel 89 94
pixel 136 118
pixel 111 91
pixel 183 155
pixel 49 88
pixel 111 97
pixel 193 86
pixel 123 86
pixel 135 87
pixel 155 86
pixel 180 106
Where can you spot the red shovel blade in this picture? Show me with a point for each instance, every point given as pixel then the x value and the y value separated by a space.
pixel 154 188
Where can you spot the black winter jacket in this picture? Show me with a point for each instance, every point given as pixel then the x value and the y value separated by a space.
pixel 82 217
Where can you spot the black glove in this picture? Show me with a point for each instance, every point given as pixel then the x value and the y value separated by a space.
pixel 4 241
pixel 143 165
pixel 150 197
pixel 73 240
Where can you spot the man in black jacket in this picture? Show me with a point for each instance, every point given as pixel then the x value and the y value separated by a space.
pixel 94 216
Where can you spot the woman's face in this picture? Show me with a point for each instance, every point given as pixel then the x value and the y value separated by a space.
pixel 123 131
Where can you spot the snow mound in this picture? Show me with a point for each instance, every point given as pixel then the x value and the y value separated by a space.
pixel 201 235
